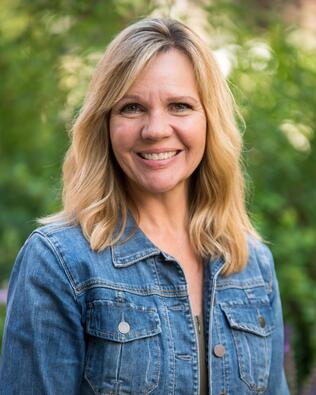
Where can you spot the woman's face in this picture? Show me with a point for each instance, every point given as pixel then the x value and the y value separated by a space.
pixel 158 129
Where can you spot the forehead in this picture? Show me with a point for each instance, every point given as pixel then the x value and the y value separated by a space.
pixel 171 70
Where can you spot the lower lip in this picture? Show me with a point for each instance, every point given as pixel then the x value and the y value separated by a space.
pixel 158 164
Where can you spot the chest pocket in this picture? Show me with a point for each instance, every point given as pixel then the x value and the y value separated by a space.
pixel 123 353
pixel 251 327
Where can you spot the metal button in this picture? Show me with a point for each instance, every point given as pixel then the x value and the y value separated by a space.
pixel 262 321
pixel 219 350
pixel 124 327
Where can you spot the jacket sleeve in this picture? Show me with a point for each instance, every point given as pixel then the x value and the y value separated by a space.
pixel 43 343
pixel 277 380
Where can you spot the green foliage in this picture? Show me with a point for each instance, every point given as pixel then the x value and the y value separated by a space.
pixel 48 51
pixel 2 318
pixel 274 83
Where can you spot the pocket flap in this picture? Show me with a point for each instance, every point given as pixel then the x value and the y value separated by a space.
pixel 253 318
pixel 121 322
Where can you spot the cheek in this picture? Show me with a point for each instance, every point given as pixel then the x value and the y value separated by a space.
pixel 123 133
pixel 112 133
pixel 118 138
pixel 196 137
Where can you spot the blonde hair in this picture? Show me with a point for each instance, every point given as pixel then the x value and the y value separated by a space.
pixel 93 193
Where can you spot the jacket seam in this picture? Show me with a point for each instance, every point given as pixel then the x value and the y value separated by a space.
pixel 61 261
pixel 260 255
pixel 136 291
pixel 51 229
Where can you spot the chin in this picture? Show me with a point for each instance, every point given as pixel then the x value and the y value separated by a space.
pixel 157 185
pixel 160 188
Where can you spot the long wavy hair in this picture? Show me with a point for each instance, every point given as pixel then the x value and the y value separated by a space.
pixel 94 195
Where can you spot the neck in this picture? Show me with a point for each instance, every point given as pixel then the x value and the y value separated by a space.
pixel 168 211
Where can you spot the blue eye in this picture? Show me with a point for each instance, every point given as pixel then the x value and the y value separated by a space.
pixel 131 108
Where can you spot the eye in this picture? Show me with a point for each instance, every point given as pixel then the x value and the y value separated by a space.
pixel 180 107
pixel 131 108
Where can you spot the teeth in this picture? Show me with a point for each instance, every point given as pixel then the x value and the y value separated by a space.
pixel 158 156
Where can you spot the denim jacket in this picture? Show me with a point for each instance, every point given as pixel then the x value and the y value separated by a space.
pixel 120 321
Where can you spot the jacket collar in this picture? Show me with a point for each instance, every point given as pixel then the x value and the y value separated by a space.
pixel 133 245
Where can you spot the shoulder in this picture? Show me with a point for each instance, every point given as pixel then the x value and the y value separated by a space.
pixel 257 272
pixel 50 242
pixel 56 239
pixel 65 247
pixel 261 256
pixel 41 262
pixel 59 237
pixel 59 233
pixel 259 248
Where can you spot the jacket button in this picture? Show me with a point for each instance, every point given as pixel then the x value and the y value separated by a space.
pixel 124 327
pixel 219 350
pixel 262 321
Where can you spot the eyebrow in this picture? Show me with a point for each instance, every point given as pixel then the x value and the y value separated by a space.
pixel 172 98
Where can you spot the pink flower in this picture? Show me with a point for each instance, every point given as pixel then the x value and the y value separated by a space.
pixel 3 296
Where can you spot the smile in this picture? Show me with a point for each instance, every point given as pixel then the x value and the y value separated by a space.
pixel 158 155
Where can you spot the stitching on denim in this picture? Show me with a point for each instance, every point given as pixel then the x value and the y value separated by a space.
pixel 184 357
pixel 211 312
pixel 195 346
pixel 240 284
pixel 61 261
pixel 133 290
pixel 221 338
pixel 89 382
pixel 165 312
pixel 119 305
pixel 157 371
pixel 252 328
pixel 209 337
pixel 127 260
pixel 172 352
pixel 51 229
pixel 264 259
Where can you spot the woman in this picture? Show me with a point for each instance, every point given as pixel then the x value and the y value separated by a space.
pixel 152 279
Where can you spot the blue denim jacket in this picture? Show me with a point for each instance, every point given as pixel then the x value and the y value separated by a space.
pixel 120 321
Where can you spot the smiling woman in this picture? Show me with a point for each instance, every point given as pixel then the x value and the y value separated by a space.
pixel 151 280
pixel 159 140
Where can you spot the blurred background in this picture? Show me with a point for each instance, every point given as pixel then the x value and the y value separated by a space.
pixel 267 51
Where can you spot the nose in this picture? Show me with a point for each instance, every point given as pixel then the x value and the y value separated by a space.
pixel 156 126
